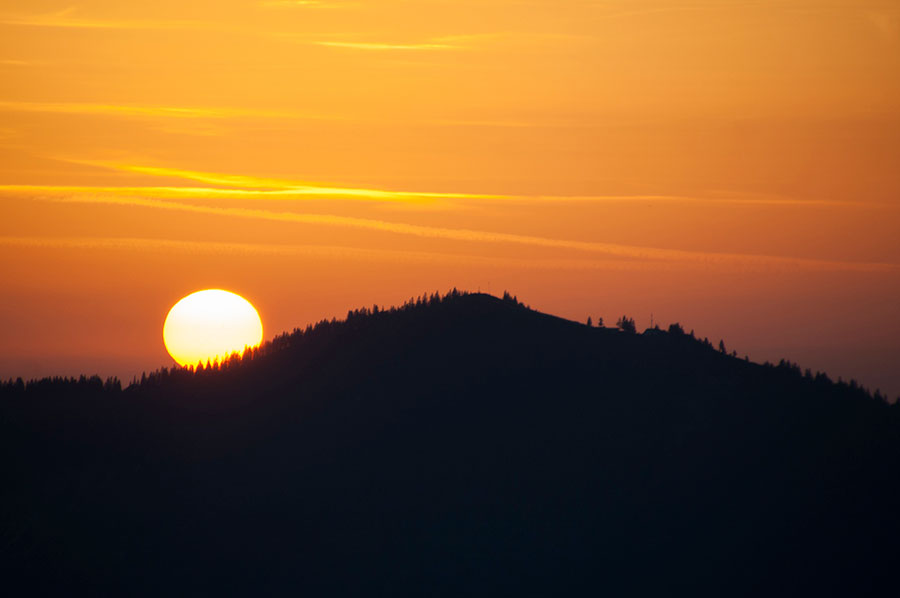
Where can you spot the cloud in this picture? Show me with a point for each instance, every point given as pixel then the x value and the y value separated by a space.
pixel 290 188
pixel 731 260
pixel 613 11
pixel 284 187
pixel 290 3
pixel 384 46
pixel 255 187
pixel 306 4
pixel 199 247
pixel 65 19
pixel 274 188
pixel 343 252
pixel 144 111
pixel 184 113
pixel 722 199
pixel 199 193
pixel 506 37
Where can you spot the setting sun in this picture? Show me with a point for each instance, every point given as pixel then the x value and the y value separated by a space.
pixel 210 325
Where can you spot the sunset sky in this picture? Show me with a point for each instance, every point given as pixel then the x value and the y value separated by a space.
pixel 731 165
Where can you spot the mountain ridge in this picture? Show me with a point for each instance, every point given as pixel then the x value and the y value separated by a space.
pixel 283 340
pixel 459 444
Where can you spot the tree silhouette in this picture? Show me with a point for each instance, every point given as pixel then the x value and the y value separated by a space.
pixel 626 324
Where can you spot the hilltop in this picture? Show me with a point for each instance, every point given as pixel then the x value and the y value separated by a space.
pixel 464 444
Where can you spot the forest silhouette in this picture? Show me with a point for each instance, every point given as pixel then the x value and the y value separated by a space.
pixel 459 444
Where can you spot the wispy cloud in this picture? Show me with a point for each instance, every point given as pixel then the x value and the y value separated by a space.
pixel 67 19
pixel 136 110
pixel 306 4
pixel 201 193
pixel 722 199
pixel 184 113
pixel 613 11
pixel 351 41
pixel 286 187
pixel 342 252
pixel 205 247
pixel 433 199
pixel 384 46
pixel 291 188
pixel 290 3
pixel 233 186
pixel 505 37
pixel 643 12
pixel 747 261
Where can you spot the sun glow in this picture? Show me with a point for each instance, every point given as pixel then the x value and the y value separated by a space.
pixel 210 325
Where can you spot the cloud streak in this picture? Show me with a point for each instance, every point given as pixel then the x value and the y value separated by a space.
pixel 240 187
pixel 288 188
pixel 305 4
pixel 133 110
pixel 65 19
pixel 751 261
pixel 263 187
pixel 343 252
pixel 384 46
pixel 201 247
pixel 298 187
pixel 201 193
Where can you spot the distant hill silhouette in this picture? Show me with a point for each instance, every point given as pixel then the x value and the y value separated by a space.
pixel 458 445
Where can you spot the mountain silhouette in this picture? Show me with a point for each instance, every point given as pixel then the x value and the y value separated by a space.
pixel 458 445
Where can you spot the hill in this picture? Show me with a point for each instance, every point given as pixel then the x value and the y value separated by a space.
pixel 458 445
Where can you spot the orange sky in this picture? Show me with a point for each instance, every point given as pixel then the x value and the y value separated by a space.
pixel 731 165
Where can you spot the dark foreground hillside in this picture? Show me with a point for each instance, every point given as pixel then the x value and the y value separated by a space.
pixel 463 446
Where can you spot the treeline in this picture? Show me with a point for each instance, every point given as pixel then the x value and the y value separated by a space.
pixel 785 367
pixel 326 328
pixel 62 384
pixel 96 384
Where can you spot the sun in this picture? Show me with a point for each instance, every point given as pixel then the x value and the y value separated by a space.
pixel 210 325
